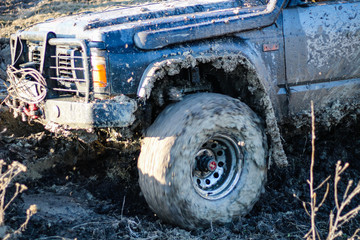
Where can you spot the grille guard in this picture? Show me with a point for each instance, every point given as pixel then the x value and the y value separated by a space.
pixel 49 60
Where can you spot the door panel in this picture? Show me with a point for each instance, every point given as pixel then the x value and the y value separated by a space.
pixel 322 42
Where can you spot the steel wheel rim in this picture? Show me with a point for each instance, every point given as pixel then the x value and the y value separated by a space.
pixel 217 167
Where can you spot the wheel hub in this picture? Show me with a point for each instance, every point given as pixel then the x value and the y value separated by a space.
pixel 217 167
pixel 205 162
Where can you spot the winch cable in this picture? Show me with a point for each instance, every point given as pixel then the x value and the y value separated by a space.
pixel 27 85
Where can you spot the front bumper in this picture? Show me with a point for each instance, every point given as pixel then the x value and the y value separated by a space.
pixel 116 112
pixel 52 75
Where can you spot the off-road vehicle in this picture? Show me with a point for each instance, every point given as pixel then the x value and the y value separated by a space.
pixel 209 82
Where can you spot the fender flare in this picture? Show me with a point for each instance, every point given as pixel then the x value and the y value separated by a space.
pixel 261 83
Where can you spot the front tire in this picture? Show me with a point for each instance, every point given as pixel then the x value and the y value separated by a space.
pixel 203 161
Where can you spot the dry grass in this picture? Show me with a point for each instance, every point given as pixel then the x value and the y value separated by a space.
pixel 6 178
pixel 337 217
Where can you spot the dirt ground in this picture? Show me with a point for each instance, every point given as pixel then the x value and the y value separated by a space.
pixel 91 191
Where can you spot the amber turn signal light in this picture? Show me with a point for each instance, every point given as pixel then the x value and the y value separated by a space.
pixel 99 72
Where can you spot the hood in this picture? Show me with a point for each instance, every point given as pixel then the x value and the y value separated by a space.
pixel 93 26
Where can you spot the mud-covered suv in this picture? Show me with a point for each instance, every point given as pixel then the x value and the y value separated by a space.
pixel 219 77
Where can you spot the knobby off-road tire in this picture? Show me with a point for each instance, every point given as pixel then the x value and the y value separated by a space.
pixel 203 161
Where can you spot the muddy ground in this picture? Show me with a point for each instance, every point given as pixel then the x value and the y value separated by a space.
pixel 91 191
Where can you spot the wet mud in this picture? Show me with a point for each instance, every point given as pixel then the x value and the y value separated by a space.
pixel 92 192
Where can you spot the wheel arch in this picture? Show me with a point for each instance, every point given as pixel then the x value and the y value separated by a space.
pixel 258 82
